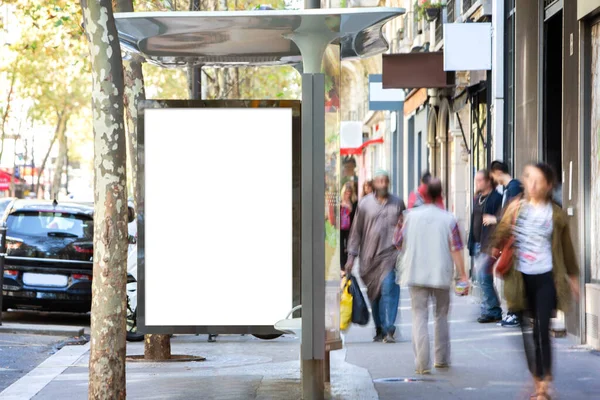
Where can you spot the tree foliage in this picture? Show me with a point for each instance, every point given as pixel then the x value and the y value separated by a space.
pixel 49 64
pixel 54 68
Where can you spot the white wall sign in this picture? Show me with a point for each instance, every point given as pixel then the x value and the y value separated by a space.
pixel 351 135
pixel 218 216
pixel 468 47
pixel 381 99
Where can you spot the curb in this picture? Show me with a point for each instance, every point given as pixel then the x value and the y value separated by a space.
pixel 48 330
pixel 36 380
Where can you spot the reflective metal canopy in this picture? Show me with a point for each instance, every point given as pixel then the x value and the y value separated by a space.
pixel 172 39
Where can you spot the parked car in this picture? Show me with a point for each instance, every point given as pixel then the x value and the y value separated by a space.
pixel 49 259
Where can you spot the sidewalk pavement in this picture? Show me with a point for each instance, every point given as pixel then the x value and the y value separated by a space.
pixel 488 362
pixel 236 367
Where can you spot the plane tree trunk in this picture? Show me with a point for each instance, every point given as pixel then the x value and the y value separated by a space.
pixel 108 324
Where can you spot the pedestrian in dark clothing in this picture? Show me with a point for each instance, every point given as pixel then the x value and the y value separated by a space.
pixel 486 207
pixel 513 189
pixel 501 176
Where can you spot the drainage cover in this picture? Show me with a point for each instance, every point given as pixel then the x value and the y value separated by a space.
pixel 403 380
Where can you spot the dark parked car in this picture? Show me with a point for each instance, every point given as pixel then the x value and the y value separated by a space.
pixel 49 256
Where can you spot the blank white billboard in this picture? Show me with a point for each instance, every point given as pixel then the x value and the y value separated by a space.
pixel 468 47
pixel 218 216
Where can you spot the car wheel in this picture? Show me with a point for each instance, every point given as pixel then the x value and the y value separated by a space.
pixel 268 337
pixel 135 337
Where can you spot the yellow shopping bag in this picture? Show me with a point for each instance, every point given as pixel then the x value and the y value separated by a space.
pixel 345 305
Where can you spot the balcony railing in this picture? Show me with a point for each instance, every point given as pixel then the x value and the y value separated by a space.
pixel 415 24
pixel 439 30
pixel 467 4
pixel 403 29
pixel 450 8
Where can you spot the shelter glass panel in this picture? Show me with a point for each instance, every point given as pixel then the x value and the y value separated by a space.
pixel 332 70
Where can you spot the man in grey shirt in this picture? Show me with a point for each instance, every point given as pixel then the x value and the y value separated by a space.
pixel 431 245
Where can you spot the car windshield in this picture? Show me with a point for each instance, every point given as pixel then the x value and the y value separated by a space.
pixel 53 224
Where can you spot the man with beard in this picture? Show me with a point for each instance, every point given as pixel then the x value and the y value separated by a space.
pixel 372 240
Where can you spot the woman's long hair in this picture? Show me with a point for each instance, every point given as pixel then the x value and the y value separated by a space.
pixel 349 186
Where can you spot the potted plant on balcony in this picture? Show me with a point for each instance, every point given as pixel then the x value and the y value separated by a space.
pixel 428 9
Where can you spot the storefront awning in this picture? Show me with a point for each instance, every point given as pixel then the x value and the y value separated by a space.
pixel 5 179
pixel 415 70
pixel 359 150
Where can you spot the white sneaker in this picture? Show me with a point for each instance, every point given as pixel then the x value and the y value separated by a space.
pixel 511 321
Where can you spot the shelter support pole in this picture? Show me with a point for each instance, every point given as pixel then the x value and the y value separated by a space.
pixel 312 38
pixel 308 4
pixel 313 236
pixel 196 82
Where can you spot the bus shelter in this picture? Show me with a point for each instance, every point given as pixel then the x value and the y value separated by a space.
pixel 300 142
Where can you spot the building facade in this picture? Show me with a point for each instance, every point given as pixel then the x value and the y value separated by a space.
pixel 555 116
pixel 539 101
pixel 447 115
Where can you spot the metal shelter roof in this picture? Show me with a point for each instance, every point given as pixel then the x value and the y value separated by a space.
pixel 177 39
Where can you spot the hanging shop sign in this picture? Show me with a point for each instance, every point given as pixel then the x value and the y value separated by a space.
pixel 468 47
pixel 381 99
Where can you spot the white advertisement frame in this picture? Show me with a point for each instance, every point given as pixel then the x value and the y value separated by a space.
pixel 243 287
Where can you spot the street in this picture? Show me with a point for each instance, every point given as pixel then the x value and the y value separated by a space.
pixel 485 359
pixel 20 353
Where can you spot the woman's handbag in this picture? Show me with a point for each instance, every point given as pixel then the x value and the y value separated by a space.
pixel 506 258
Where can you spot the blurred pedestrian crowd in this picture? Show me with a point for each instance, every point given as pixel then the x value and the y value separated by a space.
pixel 518 239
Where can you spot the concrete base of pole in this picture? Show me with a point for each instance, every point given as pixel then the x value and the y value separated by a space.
pixel 313 387
pixel 327 367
